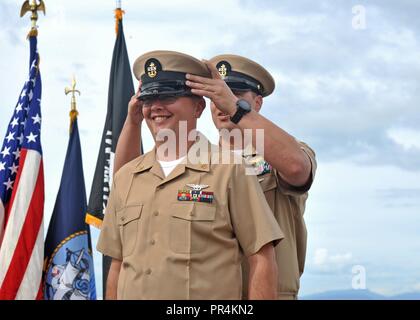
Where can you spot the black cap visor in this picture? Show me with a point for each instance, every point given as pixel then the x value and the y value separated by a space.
pixel 241 84
pixel 171 88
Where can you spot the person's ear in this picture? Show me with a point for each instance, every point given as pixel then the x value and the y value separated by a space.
pixel 258 102
pixel 199 107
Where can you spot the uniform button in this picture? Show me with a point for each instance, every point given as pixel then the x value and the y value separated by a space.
pixel 161 187
pixel 192 214
pixel 152 242
pixel 148 271
pixel 125 265
pixel 156 213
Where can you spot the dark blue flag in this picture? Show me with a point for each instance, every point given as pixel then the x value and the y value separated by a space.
pixel 121 89
pixel 68 270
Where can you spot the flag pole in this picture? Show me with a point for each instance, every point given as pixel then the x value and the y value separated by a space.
pixel 120 91
pixel 33 6
pixel 106 260
pixel 118 15
pixel 21 264
pixel 73 111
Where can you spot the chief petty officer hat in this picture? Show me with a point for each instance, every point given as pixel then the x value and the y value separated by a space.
pixel 162 73
pixel 243 74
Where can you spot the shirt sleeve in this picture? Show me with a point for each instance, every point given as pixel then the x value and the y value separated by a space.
pixel 298 191
pixel 252 219
pixel 109 242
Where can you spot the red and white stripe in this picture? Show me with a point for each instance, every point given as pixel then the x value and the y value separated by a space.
pixel 1 221
pixel 22 249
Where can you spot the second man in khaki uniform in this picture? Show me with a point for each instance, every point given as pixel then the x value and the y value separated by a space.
pixel 285 171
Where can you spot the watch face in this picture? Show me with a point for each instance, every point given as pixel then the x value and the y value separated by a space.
pixel 243 104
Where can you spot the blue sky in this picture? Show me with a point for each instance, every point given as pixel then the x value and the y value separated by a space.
pixel 352 94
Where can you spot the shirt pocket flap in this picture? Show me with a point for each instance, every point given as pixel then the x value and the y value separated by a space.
pixel 194 212
pixel 129 214
pixel 267 181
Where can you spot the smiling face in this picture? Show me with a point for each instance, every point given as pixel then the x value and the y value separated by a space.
pixel 167 112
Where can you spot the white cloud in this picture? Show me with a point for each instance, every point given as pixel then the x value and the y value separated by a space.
pixel 320 257
pixel 407 138
pixel 325 261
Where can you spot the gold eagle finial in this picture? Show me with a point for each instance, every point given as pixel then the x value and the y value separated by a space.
pixel 33 6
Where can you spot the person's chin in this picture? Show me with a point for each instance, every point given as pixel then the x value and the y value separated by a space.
pixel 163 128
pixel 225 124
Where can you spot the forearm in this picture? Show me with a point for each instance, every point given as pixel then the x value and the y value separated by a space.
pixel 112 280
pixel 128 146
pixel 281 150
pixel 263 275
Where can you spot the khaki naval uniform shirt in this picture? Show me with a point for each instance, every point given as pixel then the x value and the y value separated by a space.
pixel 288 205
pixel 173 249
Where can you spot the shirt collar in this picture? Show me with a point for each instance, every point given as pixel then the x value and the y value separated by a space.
pixel 201 162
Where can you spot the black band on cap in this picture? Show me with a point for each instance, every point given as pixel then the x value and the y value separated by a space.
pixel 164 88
pixel 241 82
pixel 165 83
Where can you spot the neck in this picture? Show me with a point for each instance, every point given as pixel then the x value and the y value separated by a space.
pixel 167 151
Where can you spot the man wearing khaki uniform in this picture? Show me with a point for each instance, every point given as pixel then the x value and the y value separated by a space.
pixel 236 90
pixel 181 233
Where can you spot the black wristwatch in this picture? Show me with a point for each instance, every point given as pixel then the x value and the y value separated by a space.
pixel 243 107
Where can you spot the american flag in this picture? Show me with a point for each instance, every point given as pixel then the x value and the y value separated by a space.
pixel 22 193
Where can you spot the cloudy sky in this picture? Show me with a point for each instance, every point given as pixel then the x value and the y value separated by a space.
pixel 347 75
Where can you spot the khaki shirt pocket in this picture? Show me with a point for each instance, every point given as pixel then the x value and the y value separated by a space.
pixel 268 184
pixel 128 220
pixel 190 226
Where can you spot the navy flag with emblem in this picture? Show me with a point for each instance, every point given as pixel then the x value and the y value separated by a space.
pixel 68 268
